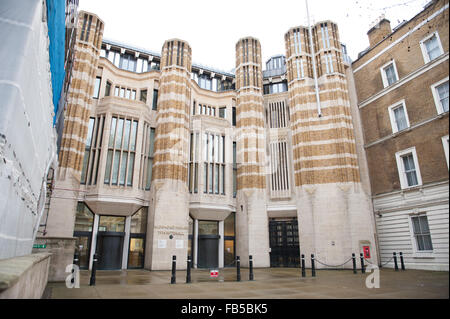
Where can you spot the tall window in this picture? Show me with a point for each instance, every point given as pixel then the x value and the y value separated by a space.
pixel 92 153
pixel 214 163
pixel 128 62
pixel 279 179
pixel 121 152
pixel 329 62
pixel 143 97
pixel 193 163
pixel 223 112
pixel 278 114
pixel 421 232
pixel 408 168
pixel 108 88
pixel 147 157
pixel 431 47
pixel 97 87
pixel 389 74
pixel 233 118
pixel 155 100
pixel 398 116
pixel 440 95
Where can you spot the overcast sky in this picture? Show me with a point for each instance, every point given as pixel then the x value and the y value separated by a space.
pixel 213 27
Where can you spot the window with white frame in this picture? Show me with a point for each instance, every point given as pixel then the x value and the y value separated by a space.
pixel 408 168
pixel 389 73
pixel 421 233
pixel 446 148
pixel 440 95
pixel 398 116
pixel 431 47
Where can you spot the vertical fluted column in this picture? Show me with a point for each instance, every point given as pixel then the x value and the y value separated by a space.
pixel 169 208
pixel 79 101
pixel 250 116
pixel 323 147
pixel 252 221
pixel 172 121
pixel 325 160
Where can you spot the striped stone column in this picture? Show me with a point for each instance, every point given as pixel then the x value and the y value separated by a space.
pixel 252 222
pixel 169 209
pixel 323 147
pixel 334 213
pixel 79 101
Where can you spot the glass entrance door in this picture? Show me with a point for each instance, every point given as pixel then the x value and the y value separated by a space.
pixel 110 237
pixel 208 244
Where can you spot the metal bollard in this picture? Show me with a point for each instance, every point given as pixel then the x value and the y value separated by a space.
pixel 75 262
pixel 188 270
pixel 94 270
pixel 363 269
pixel 173 279
pixel 238 268
pixel 354 263
pixel 395 261
pixel 313 267
pixel 250 262
pixel 402 263
pixel 303 266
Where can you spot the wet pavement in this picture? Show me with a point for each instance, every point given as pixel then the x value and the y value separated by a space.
pixel 268 283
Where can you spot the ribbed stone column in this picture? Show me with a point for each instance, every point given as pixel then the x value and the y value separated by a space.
pixel 333 211
pixel 79 101
pixel 169 211
pixel 252 222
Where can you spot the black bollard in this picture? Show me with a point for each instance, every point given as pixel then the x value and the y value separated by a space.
pixel 188 270
pixel 93 271
pixel 402 263
pixel 250 262
pixel 173 279
pixel 238 268
pixel 395 261
pixel 303 266
pixel 354 263
pixel 313 267
pixel 363 269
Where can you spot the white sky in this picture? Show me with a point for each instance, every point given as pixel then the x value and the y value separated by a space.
pixel 213 27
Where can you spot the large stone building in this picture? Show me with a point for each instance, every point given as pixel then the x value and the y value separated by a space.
pixel 402 94
pixel 161 156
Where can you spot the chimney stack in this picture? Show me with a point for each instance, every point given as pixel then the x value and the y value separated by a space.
pixel 379 31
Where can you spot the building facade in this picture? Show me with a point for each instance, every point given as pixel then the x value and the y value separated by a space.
pixel 401 84
pixel 161 156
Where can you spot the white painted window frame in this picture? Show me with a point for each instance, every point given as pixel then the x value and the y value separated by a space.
pixel 383 73
pixel 437 100
pixel 446 149
pixel 401 168
pixel 426 58
pixel 416 252
pixel 392 115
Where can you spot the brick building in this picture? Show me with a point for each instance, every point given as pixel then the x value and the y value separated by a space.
pixel 401 85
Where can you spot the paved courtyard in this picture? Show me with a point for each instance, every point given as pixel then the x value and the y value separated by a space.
pixel 268 283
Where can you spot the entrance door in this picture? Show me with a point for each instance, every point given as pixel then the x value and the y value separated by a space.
pixel 109 250
pixel 208 251
pixel 284 243
pixel 83 247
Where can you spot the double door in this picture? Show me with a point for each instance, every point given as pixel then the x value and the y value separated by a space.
pixel 284 243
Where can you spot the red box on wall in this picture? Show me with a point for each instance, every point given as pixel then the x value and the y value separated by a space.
pixel 366 250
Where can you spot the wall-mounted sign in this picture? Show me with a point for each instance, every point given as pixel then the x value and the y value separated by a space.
pixel 214 273
pixel 366 250
pixel 179 244
pixel 162 243
pixel 40 246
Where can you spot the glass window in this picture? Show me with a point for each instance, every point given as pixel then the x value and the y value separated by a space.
pixel 112 223
pixel 442 92
pixel 391 76
pixel 206 227
pixel 422 233
pixel 233 120
pixel 108 88
pixel 223 112
pixel 84 218
pixel 432 47
pixel 143 97
pixel 97 87
pixel 400 117
pixel 155 100
pixel 410 170
pixel 87 150
pixel 138 223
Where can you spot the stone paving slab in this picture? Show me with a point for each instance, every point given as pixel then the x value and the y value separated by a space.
pixel 269 283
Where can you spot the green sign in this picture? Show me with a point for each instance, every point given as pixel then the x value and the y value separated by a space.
pixel 39 245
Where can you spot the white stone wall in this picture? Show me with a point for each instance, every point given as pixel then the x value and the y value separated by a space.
pixel 27 136
pixel 395 232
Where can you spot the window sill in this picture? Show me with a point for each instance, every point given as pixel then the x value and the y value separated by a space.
pixel 427 255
